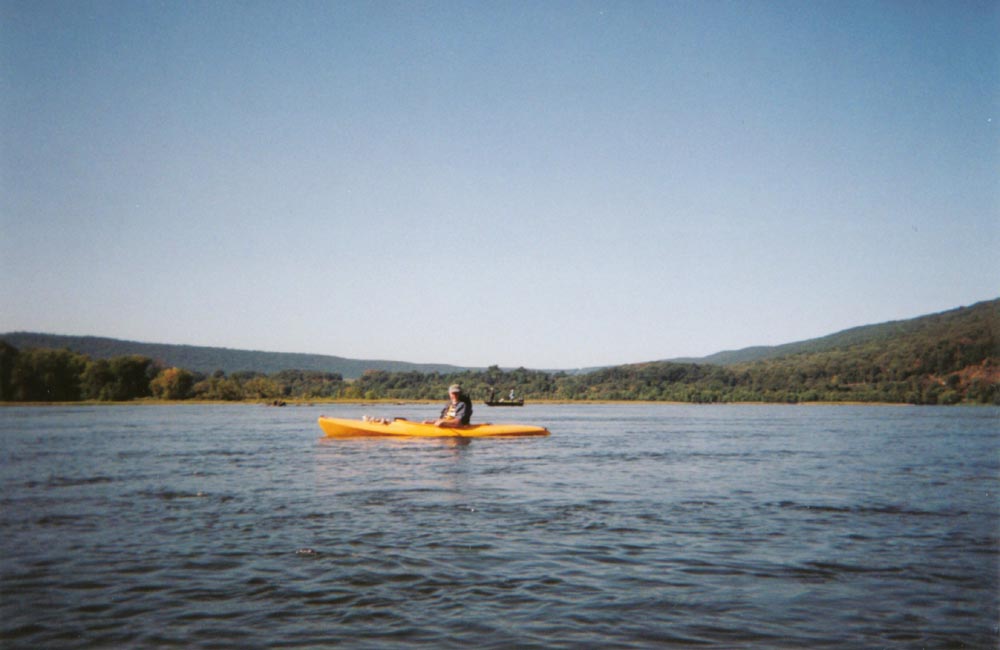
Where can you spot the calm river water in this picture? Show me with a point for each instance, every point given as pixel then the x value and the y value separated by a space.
pixel 632 526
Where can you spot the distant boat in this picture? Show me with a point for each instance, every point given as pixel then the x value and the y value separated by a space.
pixel 510 401
pixel 505 402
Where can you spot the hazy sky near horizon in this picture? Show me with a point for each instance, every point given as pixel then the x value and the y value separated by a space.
pixel 540 184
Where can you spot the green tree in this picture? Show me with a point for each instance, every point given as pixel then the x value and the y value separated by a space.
pixel 8 359
pixel 47 375
pixel 119 379
pixel 308 383
pixel 260 388
pixel 172 383
pixel 97 380
pixel 219 387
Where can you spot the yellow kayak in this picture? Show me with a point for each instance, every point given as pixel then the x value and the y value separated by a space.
pixel 341 428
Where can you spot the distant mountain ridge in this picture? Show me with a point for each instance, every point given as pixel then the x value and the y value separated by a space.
pixel 986 316
pixel 986 311
pixel 209 359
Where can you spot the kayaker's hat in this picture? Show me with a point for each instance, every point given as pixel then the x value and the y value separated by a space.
pixel 454 388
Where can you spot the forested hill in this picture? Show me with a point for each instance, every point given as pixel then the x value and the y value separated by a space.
pixel 208 359
pixel 980 321
pixel 946 358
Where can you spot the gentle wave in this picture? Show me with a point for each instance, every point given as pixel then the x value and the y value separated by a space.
pixel 688 527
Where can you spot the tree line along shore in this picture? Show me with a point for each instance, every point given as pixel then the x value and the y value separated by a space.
pixel 951 372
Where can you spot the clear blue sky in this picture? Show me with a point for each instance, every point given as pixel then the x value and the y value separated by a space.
pixel 546 184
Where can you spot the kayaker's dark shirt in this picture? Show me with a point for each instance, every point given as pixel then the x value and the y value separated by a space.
pixel 461 411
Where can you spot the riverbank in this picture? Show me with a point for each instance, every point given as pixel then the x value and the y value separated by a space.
pixel 293 402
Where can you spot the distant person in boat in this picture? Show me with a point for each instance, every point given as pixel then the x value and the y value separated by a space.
pixel 457 412
pixel 511 394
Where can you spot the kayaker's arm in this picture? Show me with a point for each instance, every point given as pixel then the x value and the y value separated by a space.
pixel 446 423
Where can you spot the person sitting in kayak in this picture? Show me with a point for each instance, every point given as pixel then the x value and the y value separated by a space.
pixel 457 412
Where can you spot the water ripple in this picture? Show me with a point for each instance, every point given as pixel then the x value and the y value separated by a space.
pixel 631 527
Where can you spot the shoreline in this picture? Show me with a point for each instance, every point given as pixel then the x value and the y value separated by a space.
pixel 296 402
